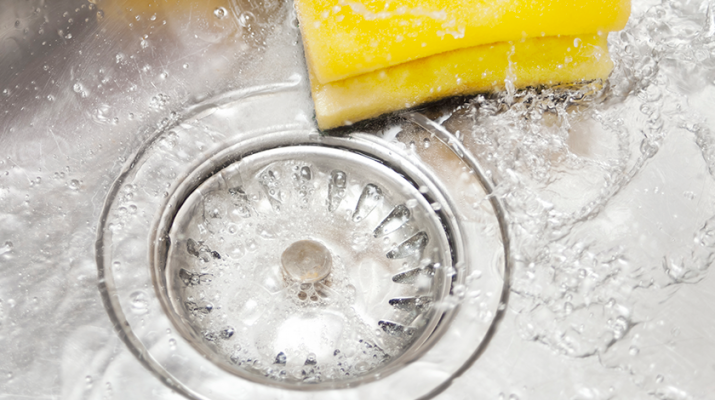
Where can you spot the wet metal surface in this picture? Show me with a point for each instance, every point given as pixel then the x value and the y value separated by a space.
pixel 609 194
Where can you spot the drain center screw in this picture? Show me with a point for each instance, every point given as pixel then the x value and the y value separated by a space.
pixel 306 261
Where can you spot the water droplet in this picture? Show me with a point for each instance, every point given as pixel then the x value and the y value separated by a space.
pixel 459 291
pixel 633 350
pixel 281 359
pixel 246 19
pixel 210 336
pixel 74 184
pixel 160 101
pixel 362 366
pixel 649 147
pixel 474 275
pixel 305 173
pixel 226 333
pixel 79 89
pixel 139 302
pixel 568 308
pixel 620 327
pixel 220 13
pixel 311 359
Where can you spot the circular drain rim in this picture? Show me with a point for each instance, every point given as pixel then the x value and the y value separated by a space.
pixel 465 339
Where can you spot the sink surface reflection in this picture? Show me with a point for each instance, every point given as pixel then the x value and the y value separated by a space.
pixel 608 189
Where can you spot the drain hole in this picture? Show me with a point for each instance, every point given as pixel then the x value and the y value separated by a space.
pixel 297 265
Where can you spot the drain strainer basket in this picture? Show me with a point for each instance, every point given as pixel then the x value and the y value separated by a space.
pixel 283 262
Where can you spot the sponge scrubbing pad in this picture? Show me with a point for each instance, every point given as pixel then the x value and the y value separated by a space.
pixel 344 38
pixel 369 57
pixel 538 61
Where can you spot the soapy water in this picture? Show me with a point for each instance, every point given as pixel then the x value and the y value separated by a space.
pixel 608 188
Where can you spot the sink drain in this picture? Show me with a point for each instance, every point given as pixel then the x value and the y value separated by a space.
pixel 308 264
pixel 286 260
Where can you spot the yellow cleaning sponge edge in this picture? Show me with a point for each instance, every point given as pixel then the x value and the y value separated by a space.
pixel 346 38
pixel 530 62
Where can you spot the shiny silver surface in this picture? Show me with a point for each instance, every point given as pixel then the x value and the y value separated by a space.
pixel 469 261
pixel 608 196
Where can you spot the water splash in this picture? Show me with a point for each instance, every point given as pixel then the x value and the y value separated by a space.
pixel 574 166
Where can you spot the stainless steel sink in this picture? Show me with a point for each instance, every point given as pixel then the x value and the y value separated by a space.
pixel 548 243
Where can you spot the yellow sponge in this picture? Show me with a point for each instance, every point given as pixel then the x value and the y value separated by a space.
pixel 345 38
pixel 537 61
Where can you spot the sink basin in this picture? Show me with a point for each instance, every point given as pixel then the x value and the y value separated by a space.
pixel 165 194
